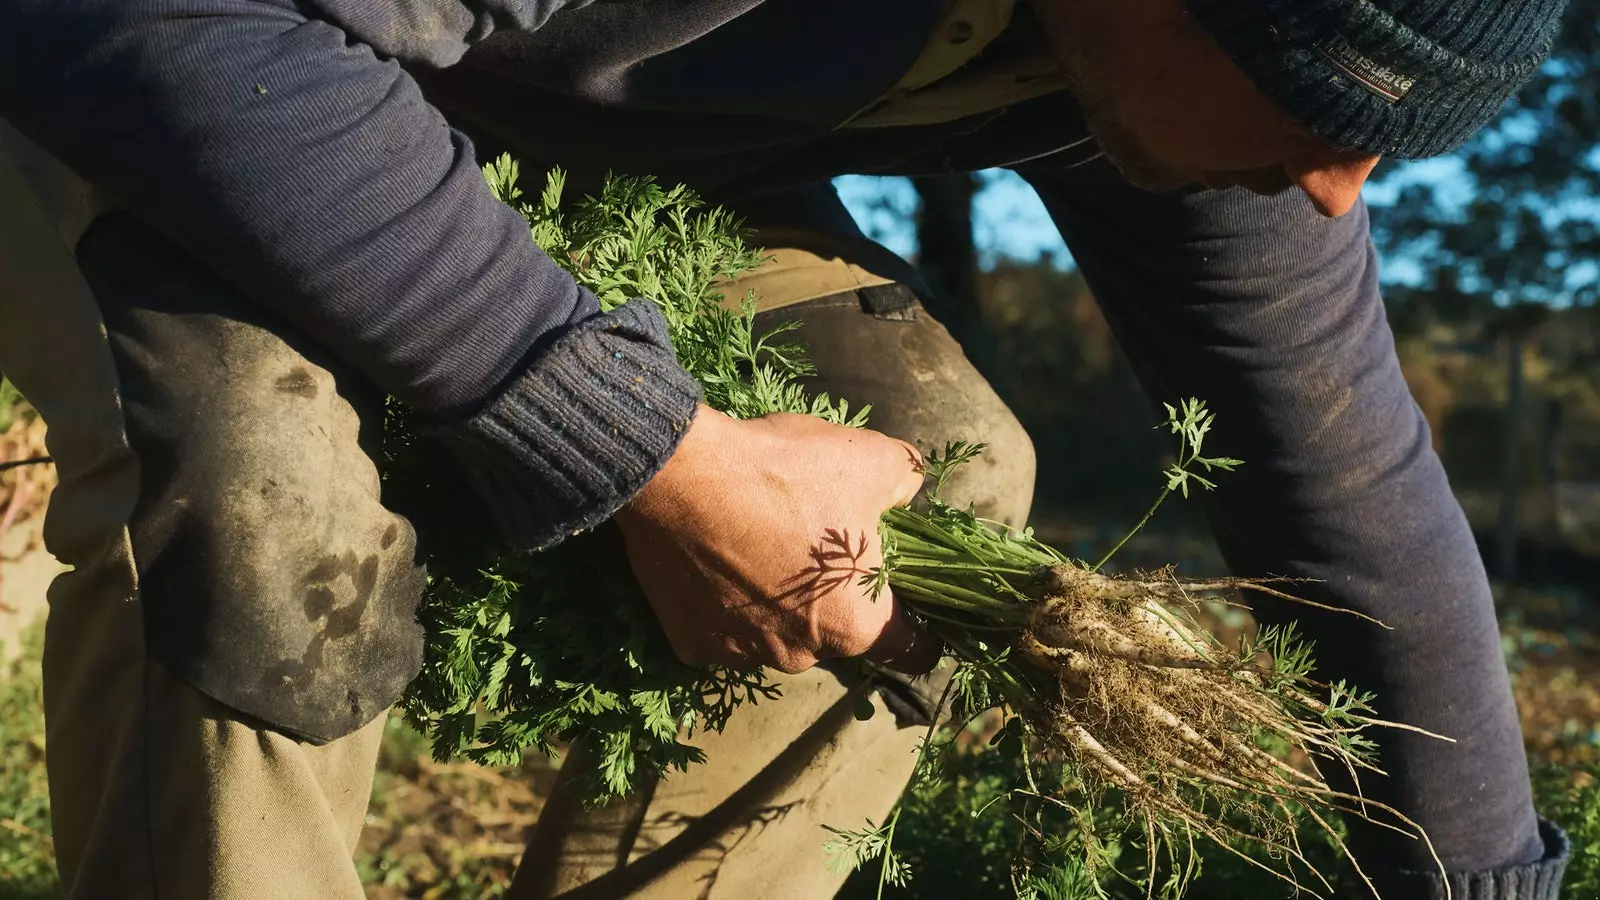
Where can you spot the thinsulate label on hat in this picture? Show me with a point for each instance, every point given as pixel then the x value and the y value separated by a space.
pixel 1375 77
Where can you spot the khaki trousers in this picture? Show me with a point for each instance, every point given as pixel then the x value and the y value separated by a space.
pixel 159 790
pixel 156 790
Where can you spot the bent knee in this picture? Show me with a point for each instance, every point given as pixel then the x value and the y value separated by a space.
pixel 272 577
pixel 922 390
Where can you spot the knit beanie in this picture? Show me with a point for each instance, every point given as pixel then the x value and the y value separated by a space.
pixel 1405 78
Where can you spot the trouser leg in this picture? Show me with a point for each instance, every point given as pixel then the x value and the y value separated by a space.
pixel 157 789
pixel 745 824
pixel 748 823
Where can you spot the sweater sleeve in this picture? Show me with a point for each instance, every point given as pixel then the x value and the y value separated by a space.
pixel 282 143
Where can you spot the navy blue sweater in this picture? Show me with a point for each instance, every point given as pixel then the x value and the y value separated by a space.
pixel 291 148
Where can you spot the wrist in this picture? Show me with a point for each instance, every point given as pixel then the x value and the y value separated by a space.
pixel 710 438
pixel 590 422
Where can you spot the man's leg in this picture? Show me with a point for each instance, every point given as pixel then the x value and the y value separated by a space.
pixel 1271 315
pixel 748 823
pixel 156 788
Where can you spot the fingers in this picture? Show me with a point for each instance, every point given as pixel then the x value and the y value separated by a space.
pixel 912 480
pixel 903 645
pixel 900 644
pixel 902 471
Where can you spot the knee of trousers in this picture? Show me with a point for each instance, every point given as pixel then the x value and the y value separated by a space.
pixel 879 346
pixel 271 576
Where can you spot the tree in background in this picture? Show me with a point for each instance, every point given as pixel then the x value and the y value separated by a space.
pixel 947 259
pixel 1519 223
pixel 1502 254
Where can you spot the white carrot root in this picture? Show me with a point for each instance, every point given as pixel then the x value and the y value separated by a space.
pixel 1153 705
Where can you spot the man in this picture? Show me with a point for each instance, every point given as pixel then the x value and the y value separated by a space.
pixel 287 223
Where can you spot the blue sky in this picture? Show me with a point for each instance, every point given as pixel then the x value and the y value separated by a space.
pixel 1010 222
pixel 1008 219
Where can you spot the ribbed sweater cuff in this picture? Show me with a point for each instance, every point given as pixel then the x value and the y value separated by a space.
pixel 578 433
pixel 1535 881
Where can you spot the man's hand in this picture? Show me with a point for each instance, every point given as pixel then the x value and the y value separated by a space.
pixel 752 542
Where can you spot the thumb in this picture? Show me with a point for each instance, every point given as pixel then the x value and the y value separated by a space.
pixel 903 645
pixel 909 472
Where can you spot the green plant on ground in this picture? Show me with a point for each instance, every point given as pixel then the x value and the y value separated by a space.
pixel 10 401
pixel 962 833
pixel 1571 799
pixel 1110 678
pixel 964 852
pixel 27 862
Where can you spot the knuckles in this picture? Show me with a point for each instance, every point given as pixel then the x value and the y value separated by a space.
pixel 859 622
pixel 793 663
